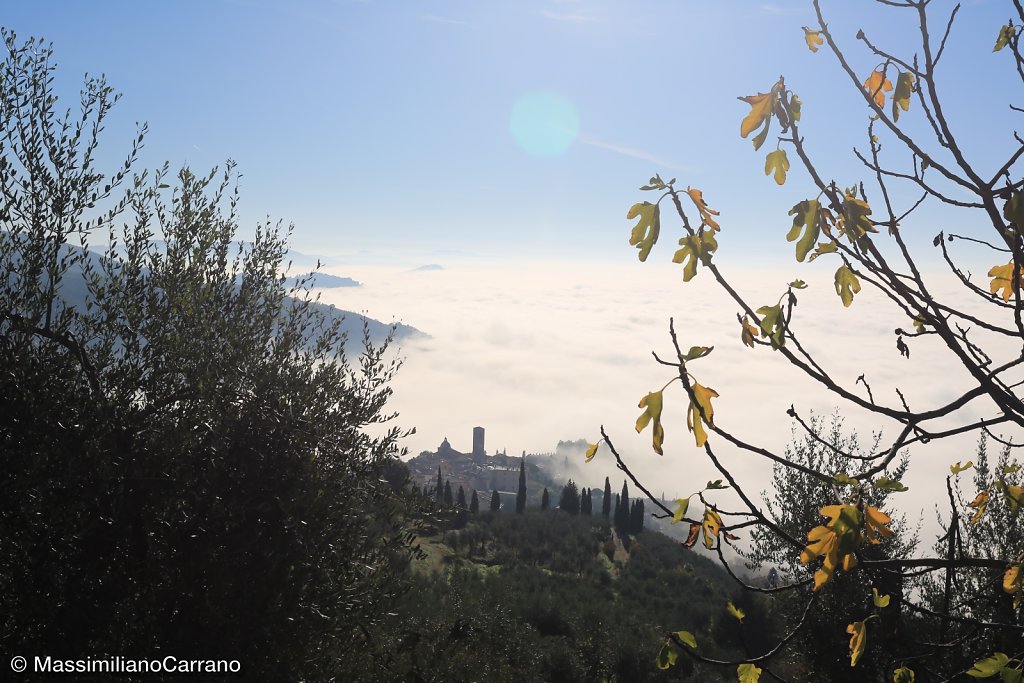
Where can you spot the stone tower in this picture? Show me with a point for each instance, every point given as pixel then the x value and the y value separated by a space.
pixel 478 442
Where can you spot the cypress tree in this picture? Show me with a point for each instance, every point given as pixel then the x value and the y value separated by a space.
pixel 521 493
pixel 606 502
pixel 570 499
pixel 447 493
pixel 622 509
pixel 440 486
pixel 495 500
pixel 544 500
pixel 585 502
pixel 617 517
pixel 474 503
pixel 460 500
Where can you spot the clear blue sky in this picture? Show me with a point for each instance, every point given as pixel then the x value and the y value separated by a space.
pixel 385 124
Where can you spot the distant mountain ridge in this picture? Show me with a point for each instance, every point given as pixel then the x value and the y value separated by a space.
pixel 74 293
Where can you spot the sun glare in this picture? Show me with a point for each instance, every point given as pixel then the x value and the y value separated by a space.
pixel 544 123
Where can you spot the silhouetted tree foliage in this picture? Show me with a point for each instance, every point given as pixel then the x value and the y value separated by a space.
pixel 545 500
pixel 187 468
pixel 474 503
pixel 447 496
pixel 586 504
pixel 495 501
pixel 460 498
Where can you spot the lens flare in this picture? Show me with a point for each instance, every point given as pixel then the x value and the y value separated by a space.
pixel 544 123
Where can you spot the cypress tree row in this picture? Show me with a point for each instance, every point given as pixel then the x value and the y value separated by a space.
pixel 622 509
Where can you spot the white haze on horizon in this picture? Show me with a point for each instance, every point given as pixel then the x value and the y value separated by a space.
pixel 541 352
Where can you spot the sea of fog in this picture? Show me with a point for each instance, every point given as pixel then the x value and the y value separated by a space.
pixel 541 352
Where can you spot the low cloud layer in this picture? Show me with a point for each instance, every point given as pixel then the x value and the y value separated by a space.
pixel 542 352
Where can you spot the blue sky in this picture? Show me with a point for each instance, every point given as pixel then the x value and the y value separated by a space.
pixel 385 125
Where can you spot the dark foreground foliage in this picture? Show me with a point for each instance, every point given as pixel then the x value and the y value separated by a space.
pixel 186 466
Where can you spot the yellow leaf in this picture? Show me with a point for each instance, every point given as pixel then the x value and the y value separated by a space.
pixel 681 505
pixel 711 525
pixel 879 599
pixel 979 503
pixel 876 85
pixel 702 396
pixel 958 468
pixel 806 219
pixel 1013 579
pixel 901 97
pixel 1013 209
pixel 823 248
pixel 847 284
pixel 778 162
pixel 986 668
pixel 1002 279
pixel 1004 37
pixel 1014 494
pixel 834 542
pixel 854 223
pixel 695 249
pixel 773 325
pixel 858 631
pixel 748 332
pixel 875 524
pixel 735 611
pixel 760 114
pixel 652 404
pixel 696 352
pixel 748 673
pixel 667 656
pixel 686 638
pixel 813 38
pixel 903 675
pixel 646 231
pixel 591 451
pixel 702 208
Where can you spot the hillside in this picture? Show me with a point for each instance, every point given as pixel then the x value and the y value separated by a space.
pixel 73 293
pixel 550 596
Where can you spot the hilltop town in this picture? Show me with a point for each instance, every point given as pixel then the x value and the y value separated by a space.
pixel 481 472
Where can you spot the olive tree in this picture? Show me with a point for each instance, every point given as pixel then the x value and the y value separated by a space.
pixel 192 464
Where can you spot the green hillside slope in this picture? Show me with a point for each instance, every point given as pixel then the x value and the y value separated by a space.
pixel 556 597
